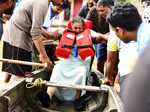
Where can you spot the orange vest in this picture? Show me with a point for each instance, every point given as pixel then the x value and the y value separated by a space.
pixel 83 42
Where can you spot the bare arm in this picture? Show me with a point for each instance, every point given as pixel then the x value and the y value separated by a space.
pixel 51 35
pixel 101 38
pixel 110 67
pixel 116 84
pixel 41 49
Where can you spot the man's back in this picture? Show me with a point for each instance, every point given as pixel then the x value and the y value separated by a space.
pixel 25 24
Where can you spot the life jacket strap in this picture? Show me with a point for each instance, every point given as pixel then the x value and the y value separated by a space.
pixel 66 46
pixel 85 46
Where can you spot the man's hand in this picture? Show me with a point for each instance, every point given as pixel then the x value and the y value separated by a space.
pixel 43 55
pixel 55 35
pixel 45 59
pixel 100 39
pixel 109 81
pixel 117 87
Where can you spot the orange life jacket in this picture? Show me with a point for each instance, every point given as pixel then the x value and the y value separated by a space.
pixel 65 45
pixel 83 42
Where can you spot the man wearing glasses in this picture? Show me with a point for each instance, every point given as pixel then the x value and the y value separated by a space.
pixel 24 29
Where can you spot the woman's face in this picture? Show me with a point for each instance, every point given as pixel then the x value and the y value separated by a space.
pixel 77 27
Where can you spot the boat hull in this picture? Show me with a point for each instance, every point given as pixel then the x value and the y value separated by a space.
pixel 18 98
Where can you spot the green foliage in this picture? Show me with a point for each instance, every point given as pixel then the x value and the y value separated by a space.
pixel 131 1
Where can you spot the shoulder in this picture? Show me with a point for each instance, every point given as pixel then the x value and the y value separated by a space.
pixel 85 6
pixel 40 3
pixel 112 44
pixel 143 31
pixel 143 36
pixel 92 13
pixel 93 10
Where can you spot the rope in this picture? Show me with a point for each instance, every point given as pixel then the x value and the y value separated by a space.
pixel 37 83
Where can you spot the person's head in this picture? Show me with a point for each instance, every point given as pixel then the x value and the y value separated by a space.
pixel 59 5
pixel 145 3
pixel 6 4
pixel 124 19
pixel 77 24
pixel 146 15
pixel 95 2
pixel 90 3
pixel 104 6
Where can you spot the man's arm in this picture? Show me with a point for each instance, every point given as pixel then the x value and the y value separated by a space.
pixel 110 67
pixel 41 49
pixel 50 35
pixel 112 56
pixel 98 37
pixel 101 38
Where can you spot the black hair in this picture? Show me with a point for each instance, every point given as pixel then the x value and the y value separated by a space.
pixel 65 4
pixel 105 3
pixel 78 19
pixel 124 15
pixel 2 1
pixel 147 2
pixel 95 1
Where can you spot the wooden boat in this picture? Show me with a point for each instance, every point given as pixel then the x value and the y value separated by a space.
pixel 18 98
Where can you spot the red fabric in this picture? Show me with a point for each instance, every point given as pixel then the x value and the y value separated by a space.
pixel 85 40
pixel 77 6
pixel 64 52
pixel 81 39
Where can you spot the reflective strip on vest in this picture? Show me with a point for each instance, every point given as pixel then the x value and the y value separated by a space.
pixel 79 37
pixel 70 36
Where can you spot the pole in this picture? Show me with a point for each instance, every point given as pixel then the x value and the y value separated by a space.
pixel 39 82
pixel 76 87
pixel 24 62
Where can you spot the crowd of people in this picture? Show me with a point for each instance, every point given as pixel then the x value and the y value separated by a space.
pixel 114 32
